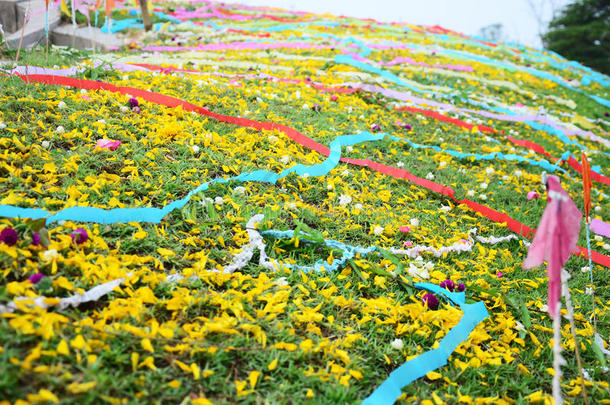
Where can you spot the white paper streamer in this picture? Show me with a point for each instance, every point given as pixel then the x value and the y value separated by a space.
pixel 93 294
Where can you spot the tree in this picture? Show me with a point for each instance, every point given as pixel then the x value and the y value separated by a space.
pixel 581 31
pixel 493 32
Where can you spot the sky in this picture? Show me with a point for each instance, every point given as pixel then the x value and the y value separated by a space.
pixel 466 16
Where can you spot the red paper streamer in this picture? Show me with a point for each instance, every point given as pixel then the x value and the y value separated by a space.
pixel 298 137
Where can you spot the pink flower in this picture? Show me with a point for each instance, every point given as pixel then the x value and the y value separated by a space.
pixel 408 243
pixel 448 284
pixel 35 278
pixel 431 301
pixel 79 236
pixel 9 236
pixel 334 97
pixel 532 195
pixel 404 229
pixel 107 143
pixel 499 274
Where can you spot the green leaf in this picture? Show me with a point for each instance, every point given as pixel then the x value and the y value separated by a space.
pixel 44 237
pixel 36 224
pixel 598 353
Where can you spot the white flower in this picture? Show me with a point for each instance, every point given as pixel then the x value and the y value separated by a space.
pixel 60 130
pixel 345 172
pixel 292 206
pixel 349 109
pixel 305 106
pixel 505 178
pixel 606 246
pixel 219 201
pixel 518 173
pixel 83 91
pixel 430 176
pixel 589 290
pixel 239 190
pixel 519 326
pixel 297 94
pixel 102 121
pixel 2 125
pixel 305 175
pixel 470 193
pixel 195 149
pixel 378 230
pixel 329 187
pixel 62 105
pixel 445 208
pixel 429 266
pixel 282 281
pixel 489 170
pixel 259 100
pixel 124 109
pixel 416 271
pixel 397 344
pixel 598 208
pixel 584 269
pixel 400 164
pixel 345 199
pixel 285 159
pixel 598 238
pixel 358 206
pixel 414 222
pixel 483 197
pixel 45 144
pixel 272 138
pixel 443 164
pixel 483 186
pixel 349 148
pixel 49 255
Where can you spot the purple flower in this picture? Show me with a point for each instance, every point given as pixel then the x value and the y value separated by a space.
pixel 431 301
pixel 499 274
pixel 79 236
pixel 133 102
pixel 35 239
pixel 35 278
pixel 375 127
pixel 316 107
pixel 448 284
pixel 9 236
pixel 606 114
pixel 461 287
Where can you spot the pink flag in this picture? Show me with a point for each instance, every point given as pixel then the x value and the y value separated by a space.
pixel 555 238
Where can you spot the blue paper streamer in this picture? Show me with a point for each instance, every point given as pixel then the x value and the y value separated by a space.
pixel 389 391
pixel 155 215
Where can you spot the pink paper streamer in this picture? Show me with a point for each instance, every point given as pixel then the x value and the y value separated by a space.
pixel 600 227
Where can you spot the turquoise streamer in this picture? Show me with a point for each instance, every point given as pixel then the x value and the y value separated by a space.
pixel 155 215
pixel 389 391
pixel 349 252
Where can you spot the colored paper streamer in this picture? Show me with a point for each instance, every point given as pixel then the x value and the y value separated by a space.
pixel 389 391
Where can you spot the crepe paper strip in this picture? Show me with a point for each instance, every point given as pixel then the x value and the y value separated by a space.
pixel 488 156
pixel 572 162
pixel 600 227
pixel 237 46
pixel 444 118
pixel 410 61
pixel 75 300
pixel 107 143
pixel 389 391
pixel 349 252
pixel 555 238
pixel 168 101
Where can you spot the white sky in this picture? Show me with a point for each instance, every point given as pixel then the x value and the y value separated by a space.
pixel 465 16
